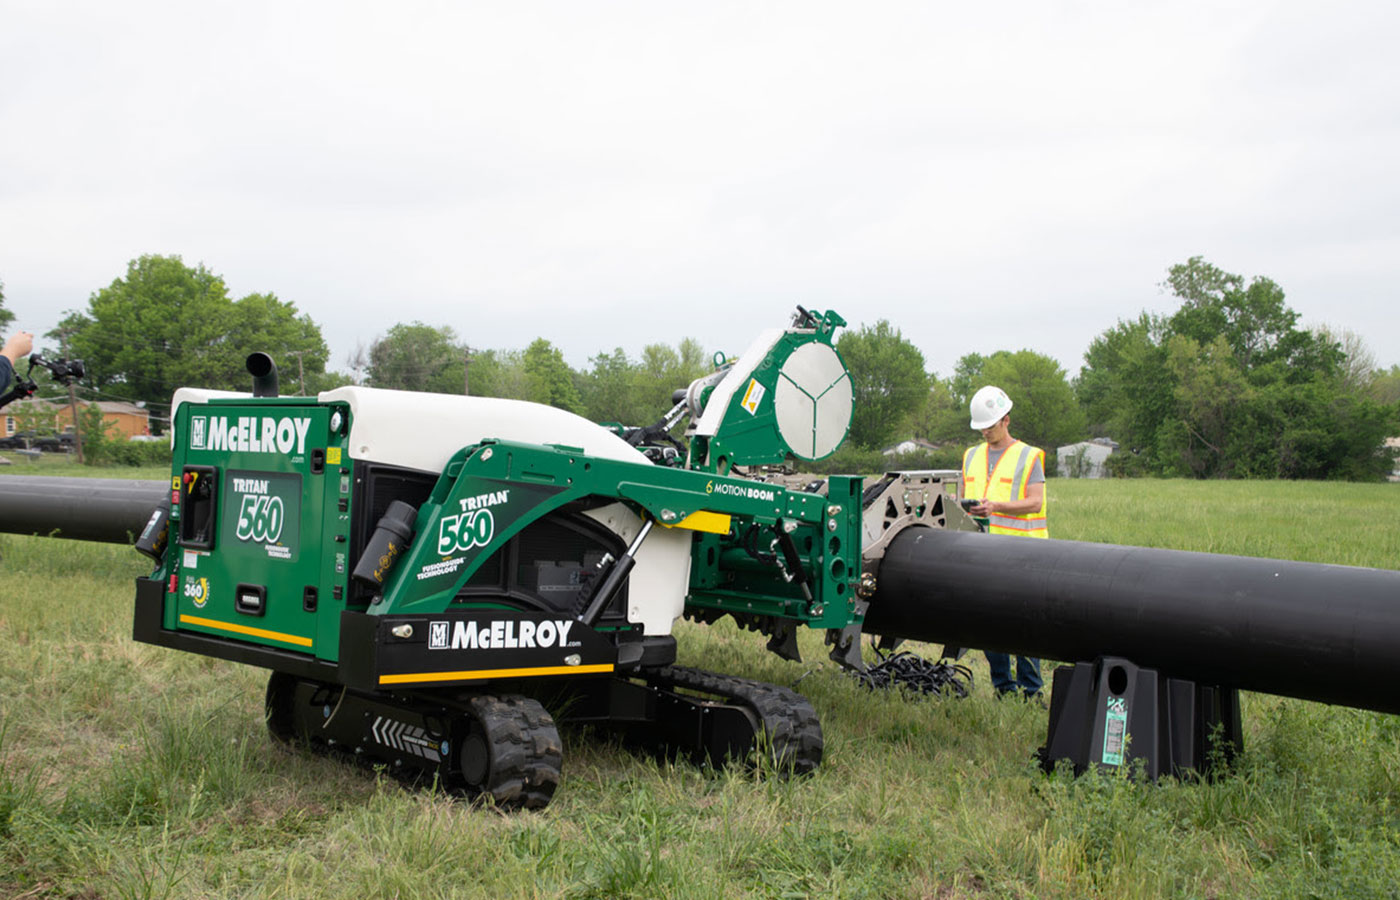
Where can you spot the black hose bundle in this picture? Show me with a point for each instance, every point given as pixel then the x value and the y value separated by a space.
pixel 918 674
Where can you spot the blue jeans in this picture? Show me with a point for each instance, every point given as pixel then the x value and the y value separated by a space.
pixel 1027 673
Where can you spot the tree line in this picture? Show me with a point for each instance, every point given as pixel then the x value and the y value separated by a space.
pixel 1227 385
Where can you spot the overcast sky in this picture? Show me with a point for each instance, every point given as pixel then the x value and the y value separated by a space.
pixel 984 176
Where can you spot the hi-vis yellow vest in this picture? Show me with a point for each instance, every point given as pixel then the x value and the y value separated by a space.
pixel 1006 482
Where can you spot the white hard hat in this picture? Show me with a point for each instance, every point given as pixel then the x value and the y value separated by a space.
pixel 988 405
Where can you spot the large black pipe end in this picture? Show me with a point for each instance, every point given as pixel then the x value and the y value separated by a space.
pixel 264 372
pixel 1318 632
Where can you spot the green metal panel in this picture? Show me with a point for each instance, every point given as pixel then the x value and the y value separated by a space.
pixel 269 575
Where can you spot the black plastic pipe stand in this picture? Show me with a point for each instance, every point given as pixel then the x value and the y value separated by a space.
pixel 1112 713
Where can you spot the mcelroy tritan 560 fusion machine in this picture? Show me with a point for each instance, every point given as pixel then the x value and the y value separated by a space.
pixel 435 581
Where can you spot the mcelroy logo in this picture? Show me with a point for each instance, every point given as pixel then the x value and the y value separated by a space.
pixel 249 434
pixel 501 635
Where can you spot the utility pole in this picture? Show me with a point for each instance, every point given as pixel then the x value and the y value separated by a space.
pixel 301 370
pixel 72 402
pixel 77 429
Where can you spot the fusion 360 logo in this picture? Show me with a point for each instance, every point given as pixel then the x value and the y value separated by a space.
pixel 197 589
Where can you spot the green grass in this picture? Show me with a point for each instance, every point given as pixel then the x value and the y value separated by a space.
pixel 133 771
pixel 67 466
pixel 1331 522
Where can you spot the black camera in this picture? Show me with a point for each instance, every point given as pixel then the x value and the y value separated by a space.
pixel 62 370
pixel 968 502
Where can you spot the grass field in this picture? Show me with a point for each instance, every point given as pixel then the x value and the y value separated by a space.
pixel 66 466
pixel 128 771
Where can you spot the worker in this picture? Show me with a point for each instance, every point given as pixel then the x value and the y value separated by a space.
pixel 15 349
pixel 1007 476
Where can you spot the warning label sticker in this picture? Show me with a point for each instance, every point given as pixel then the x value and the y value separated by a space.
pixel 753 395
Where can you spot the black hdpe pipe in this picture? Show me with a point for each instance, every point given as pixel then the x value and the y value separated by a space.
pixel 1317 632
pixel 113 510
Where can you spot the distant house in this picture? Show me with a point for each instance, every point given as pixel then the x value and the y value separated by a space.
pixel 912 445
pixel 1086 459
pixel 1394 444
pixel 124 420
pixel 31 414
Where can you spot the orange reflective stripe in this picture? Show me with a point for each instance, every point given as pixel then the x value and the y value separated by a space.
pixel 1021 533
pixel 1027 523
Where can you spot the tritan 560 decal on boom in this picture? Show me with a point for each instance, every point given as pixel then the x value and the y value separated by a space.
pixel 474 526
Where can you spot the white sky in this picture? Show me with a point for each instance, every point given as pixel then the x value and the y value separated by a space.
pixel 985 176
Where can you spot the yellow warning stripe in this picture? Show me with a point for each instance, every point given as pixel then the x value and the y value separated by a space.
pixel 244 629
pixel 420 677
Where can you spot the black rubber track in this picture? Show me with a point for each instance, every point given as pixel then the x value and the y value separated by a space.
pixel 522 749
pixel 790 736
pixel 506 747
pixel 277 708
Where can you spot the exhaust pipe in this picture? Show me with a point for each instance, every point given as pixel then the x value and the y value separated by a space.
pixel 264 372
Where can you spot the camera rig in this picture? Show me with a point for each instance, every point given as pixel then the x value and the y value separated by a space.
pixel 63 371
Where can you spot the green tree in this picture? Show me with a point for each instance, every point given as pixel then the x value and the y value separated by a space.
pixel 1229 386
pixel 1210 423
pixel 1358 362
pixel 548 378
pixel 262 322
pixel 1125 388
pixel 418 357
pixel 1045 412
pixel 943 419
pixel 6 317
pixel 606 389
pixel 162 326
pixel 166 325
pixel 889 381
pixel 963 383
pixel 662 371
pixel 1384 386
pixel 1252 317
pixel 616 389
pixel 499 373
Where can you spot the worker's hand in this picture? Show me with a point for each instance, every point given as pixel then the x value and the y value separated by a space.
pixel 983 509
pixel 19 345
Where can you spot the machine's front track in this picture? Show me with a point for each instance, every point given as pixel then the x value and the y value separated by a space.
pixel 499 746
pixel 716 718
pixel 506 747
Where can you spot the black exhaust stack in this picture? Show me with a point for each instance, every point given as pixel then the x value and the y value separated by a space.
pixel 264 372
